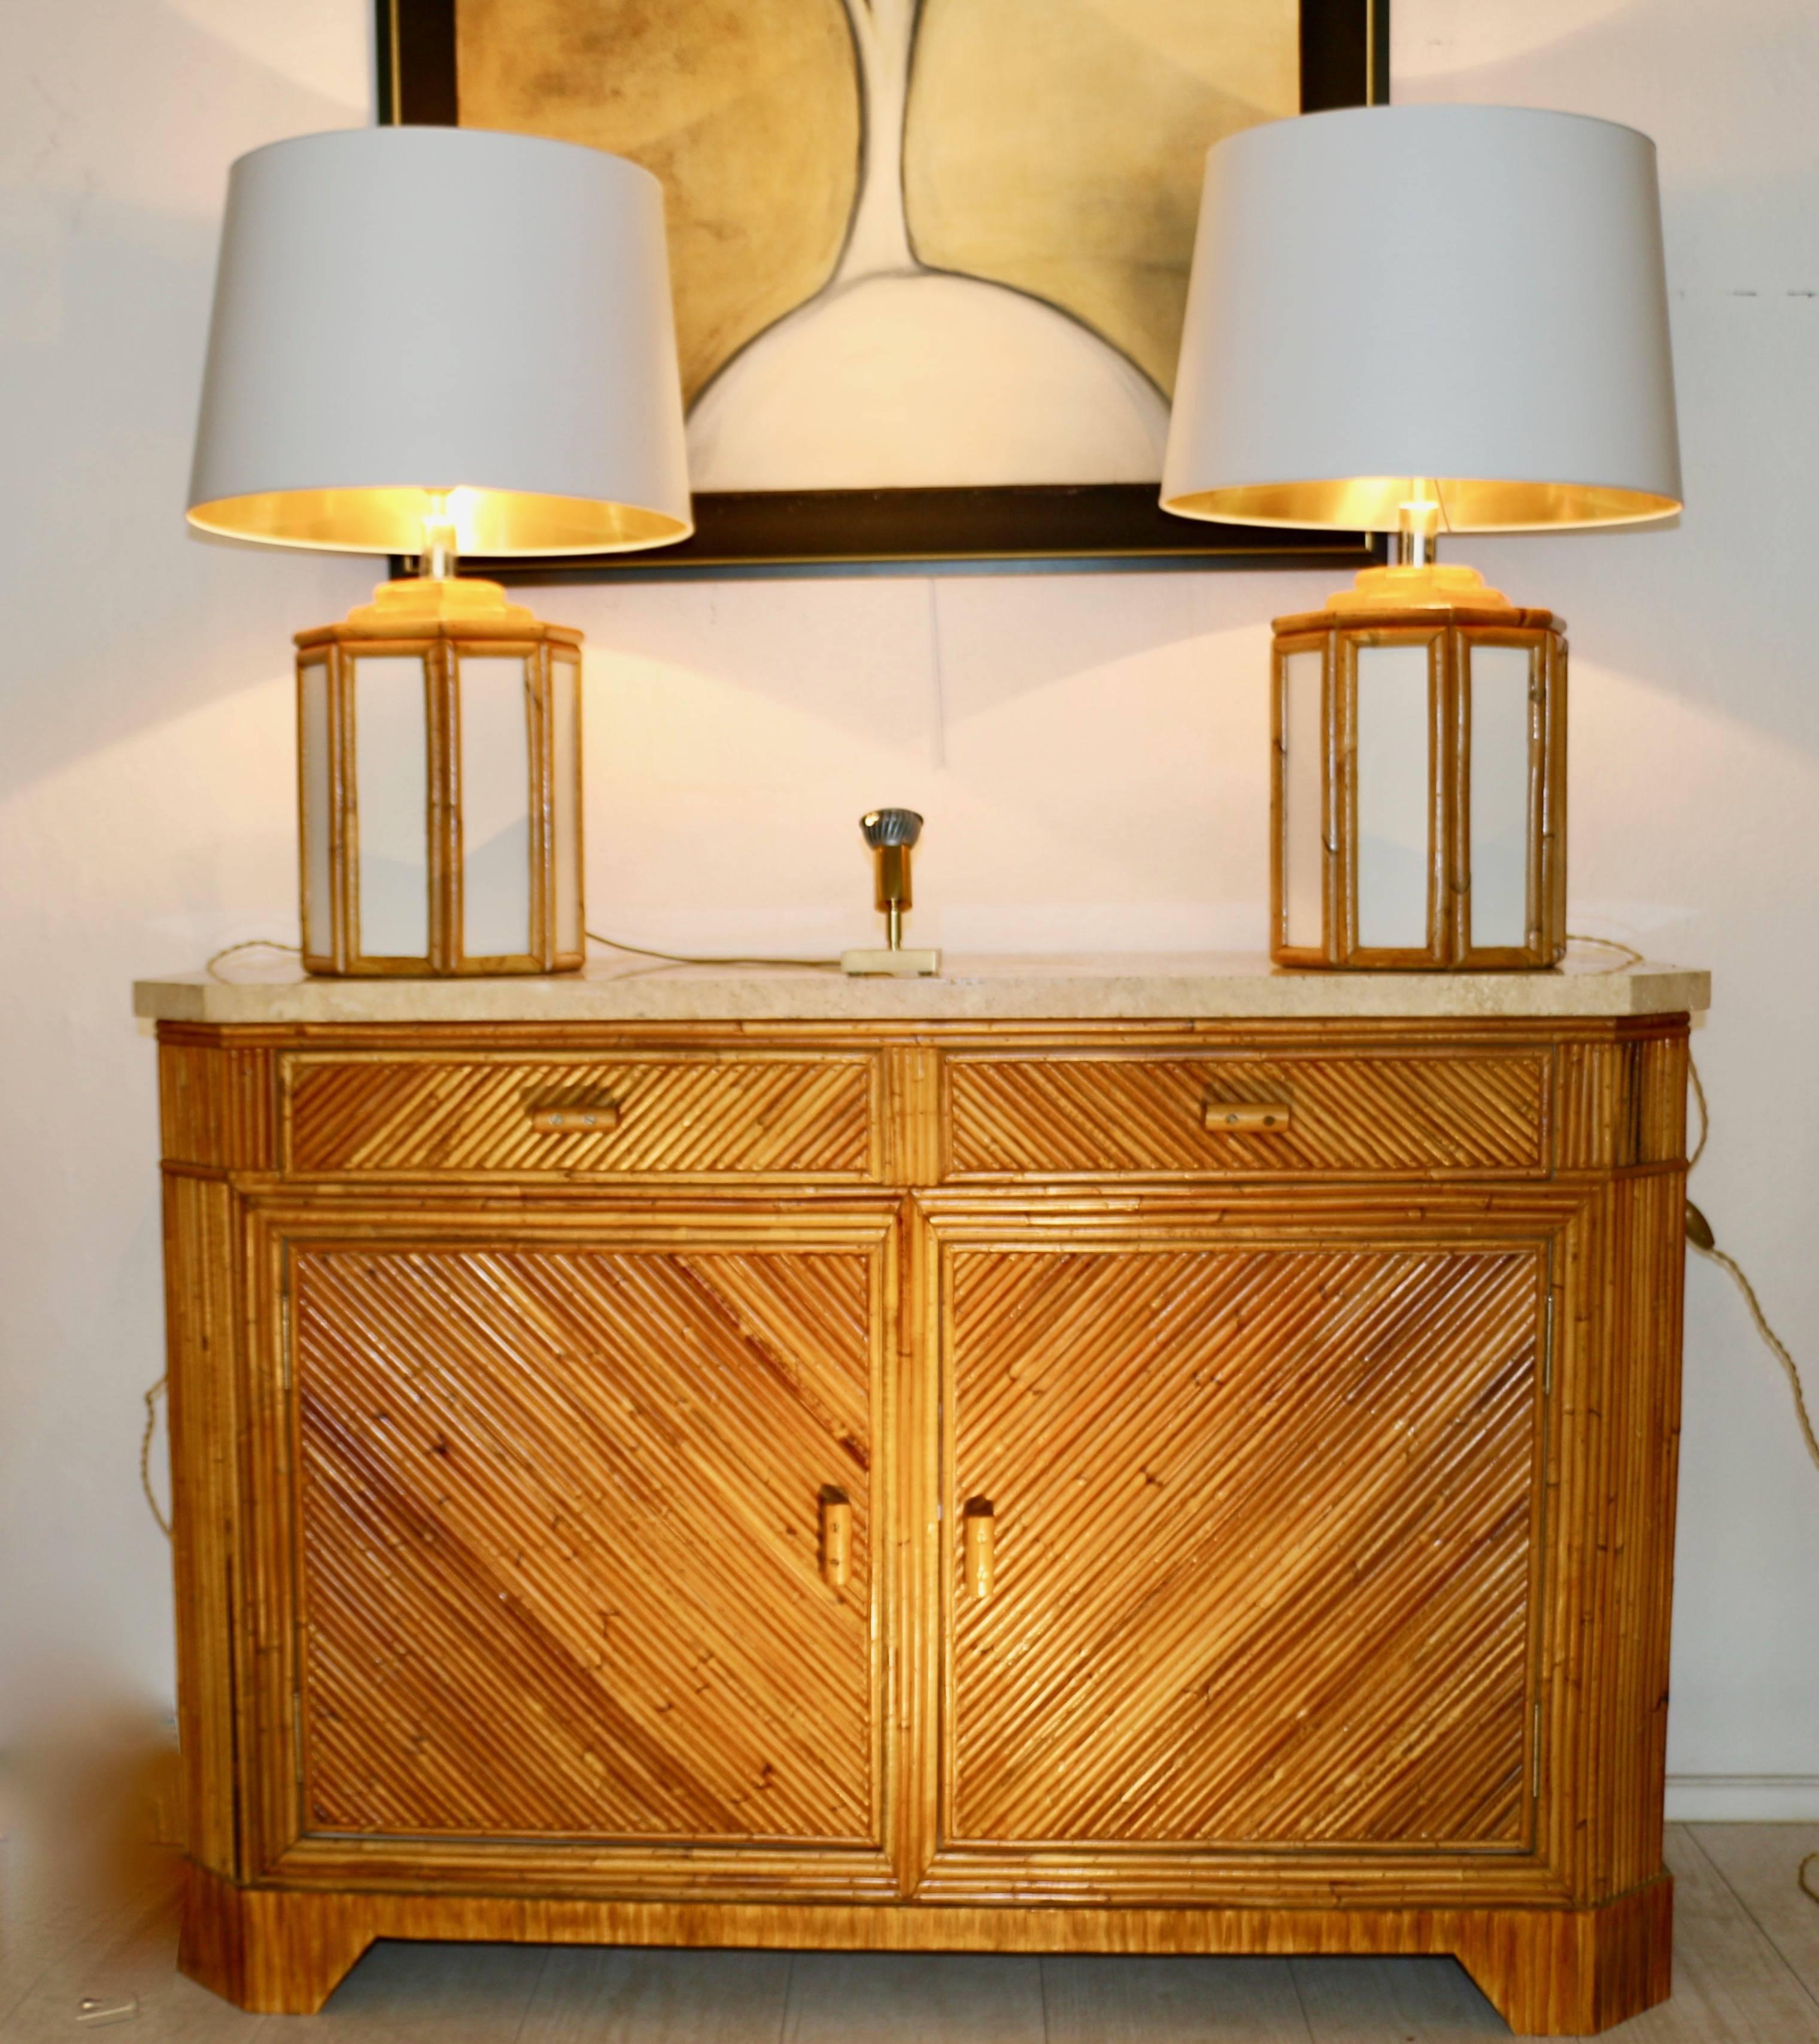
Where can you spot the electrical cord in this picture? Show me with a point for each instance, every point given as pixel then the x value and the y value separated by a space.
pixel 1699 1235
pixel 594 936
pixel 1631 955
pixel 252 944
pixel 1705 1113
pixel 676 957
pixel 145 1455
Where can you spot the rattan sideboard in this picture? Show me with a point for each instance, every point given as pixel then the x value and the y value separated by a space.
pixel 1187 1484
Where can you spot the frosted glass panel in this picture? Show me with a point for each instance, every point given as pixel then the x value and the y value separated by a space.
pixel 1304 858
pixel 495 808
pixel 313 735
pixel 1499 795
pixel 1394 741
pixel 391 784
pixel 565 719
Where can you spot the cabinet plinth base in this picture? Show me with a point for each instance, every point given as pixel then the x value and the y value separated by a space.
pixel 1549 1972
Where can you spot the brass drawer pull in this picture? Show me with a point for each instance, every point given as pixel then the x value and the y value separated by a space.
pixel 576 1121
pixel 980 1526
pixel 837 1539
pixel 1249 1117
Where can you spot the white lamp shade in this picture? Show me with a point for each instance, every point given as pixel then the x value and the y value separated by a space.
pixel 1475 296
pixel 400 311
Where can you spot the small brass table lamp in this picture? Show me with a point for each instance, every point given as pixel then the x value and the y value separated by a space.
pixel 891 834
pixel 1424 319
pixel 432 341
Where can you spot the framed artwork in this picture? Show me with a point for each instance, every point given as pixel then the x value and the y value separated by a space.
pixel 930 257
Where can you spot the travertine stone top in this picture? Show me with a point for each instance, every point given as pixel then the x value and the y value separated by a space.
pixel 1112 986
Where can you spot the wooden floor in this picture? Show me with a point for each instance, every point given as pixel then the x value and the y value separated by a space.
pixel 1746 1972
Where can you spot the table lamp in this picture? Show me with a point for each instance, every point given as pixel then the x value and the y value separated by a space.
pixel 1424 319
pixel 429 341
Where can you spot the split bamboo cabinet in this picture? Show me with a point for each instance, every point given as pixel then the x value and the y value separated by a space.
pixel 1166 1457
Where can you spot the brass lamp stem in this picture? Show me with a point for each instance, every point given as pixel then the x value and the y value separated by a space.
pixel 439 560
pixel 890 864
pixel 1418 528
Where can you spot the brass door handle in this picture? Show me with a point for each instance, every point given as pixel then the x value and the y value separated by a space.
pixel 979 1527
pixel 593 1119
pixel 1248 1117
pixel 837 1539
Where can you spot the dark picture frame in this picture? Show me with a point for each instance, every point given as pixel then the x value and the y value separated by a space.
pixel 1343 61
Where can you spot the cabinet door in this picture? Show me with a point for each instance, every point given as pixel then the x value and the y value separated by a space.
pixel 1264 1527
pixel 559 1498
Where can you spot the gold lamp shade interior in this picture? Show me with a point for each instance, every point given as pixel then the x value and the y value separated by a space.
pixel 1466 504
pixel 392 521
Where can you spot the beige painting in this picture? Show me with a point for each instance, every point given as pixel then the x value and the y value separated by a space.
pixel 1057 145
pixel 912 245
pixel 748 111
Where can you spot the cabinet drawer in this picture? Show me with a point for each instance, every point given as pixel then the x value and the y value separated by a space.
pixel 1348 1112
pixel 668 1113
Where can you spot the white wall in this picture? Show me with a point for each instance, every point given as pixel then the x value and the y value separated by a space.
pixel 1089 750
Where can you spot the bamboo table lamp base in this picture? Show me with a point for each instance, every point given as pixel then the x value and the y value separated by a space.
pixel 1418 797
pixel 438 748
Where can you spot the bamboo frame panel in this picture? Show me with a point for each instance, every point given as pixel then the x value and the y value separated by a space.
pixel 1371 1545
pixel 652 1639
pixel 1345 708
pixel 1449 639
pixel 1549 1972
pixel 1589 1754
pixel 202 1264
pixel 1622 1101
pixel 1619 1324
pixel 911 1039
pixel 1275 1230
pixel 1544 942
pixel 550 657
pixel 509 1346
pixel 1616 1098
pixel 218 1103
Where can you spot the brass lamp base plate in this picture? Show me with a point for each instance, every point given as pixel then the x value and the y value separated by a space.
pixel 447 605
pixel 900 965
pixel 1434 586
